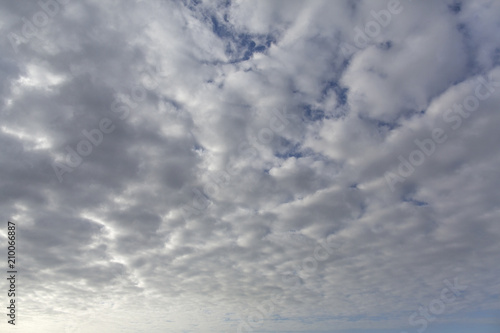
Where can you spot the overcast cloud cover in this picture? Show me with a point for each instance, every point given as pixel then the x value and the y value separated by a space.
pixel 230 140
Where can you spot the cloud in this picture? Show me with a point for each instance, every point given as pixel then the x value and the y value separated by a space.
pixel 243 138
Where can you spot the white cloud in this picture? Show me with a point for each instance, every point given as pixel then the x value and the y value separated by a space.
pixel 250 139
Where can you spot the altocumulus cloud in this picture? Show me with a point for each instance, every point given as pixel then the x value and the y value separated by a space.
pixel 273 124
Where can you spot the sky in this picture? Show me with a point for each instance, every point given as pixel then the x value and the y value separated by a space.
pixel 251 166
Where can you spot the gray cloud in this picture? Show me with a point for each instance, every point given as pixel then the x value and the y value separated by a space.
pixel 243 137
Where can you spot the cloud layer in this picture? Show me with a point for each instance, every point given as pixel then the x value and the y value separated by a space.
pixel 197 166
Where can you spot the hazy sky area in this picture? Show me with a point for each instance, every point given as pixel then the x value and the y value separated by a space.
pixel 256 166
